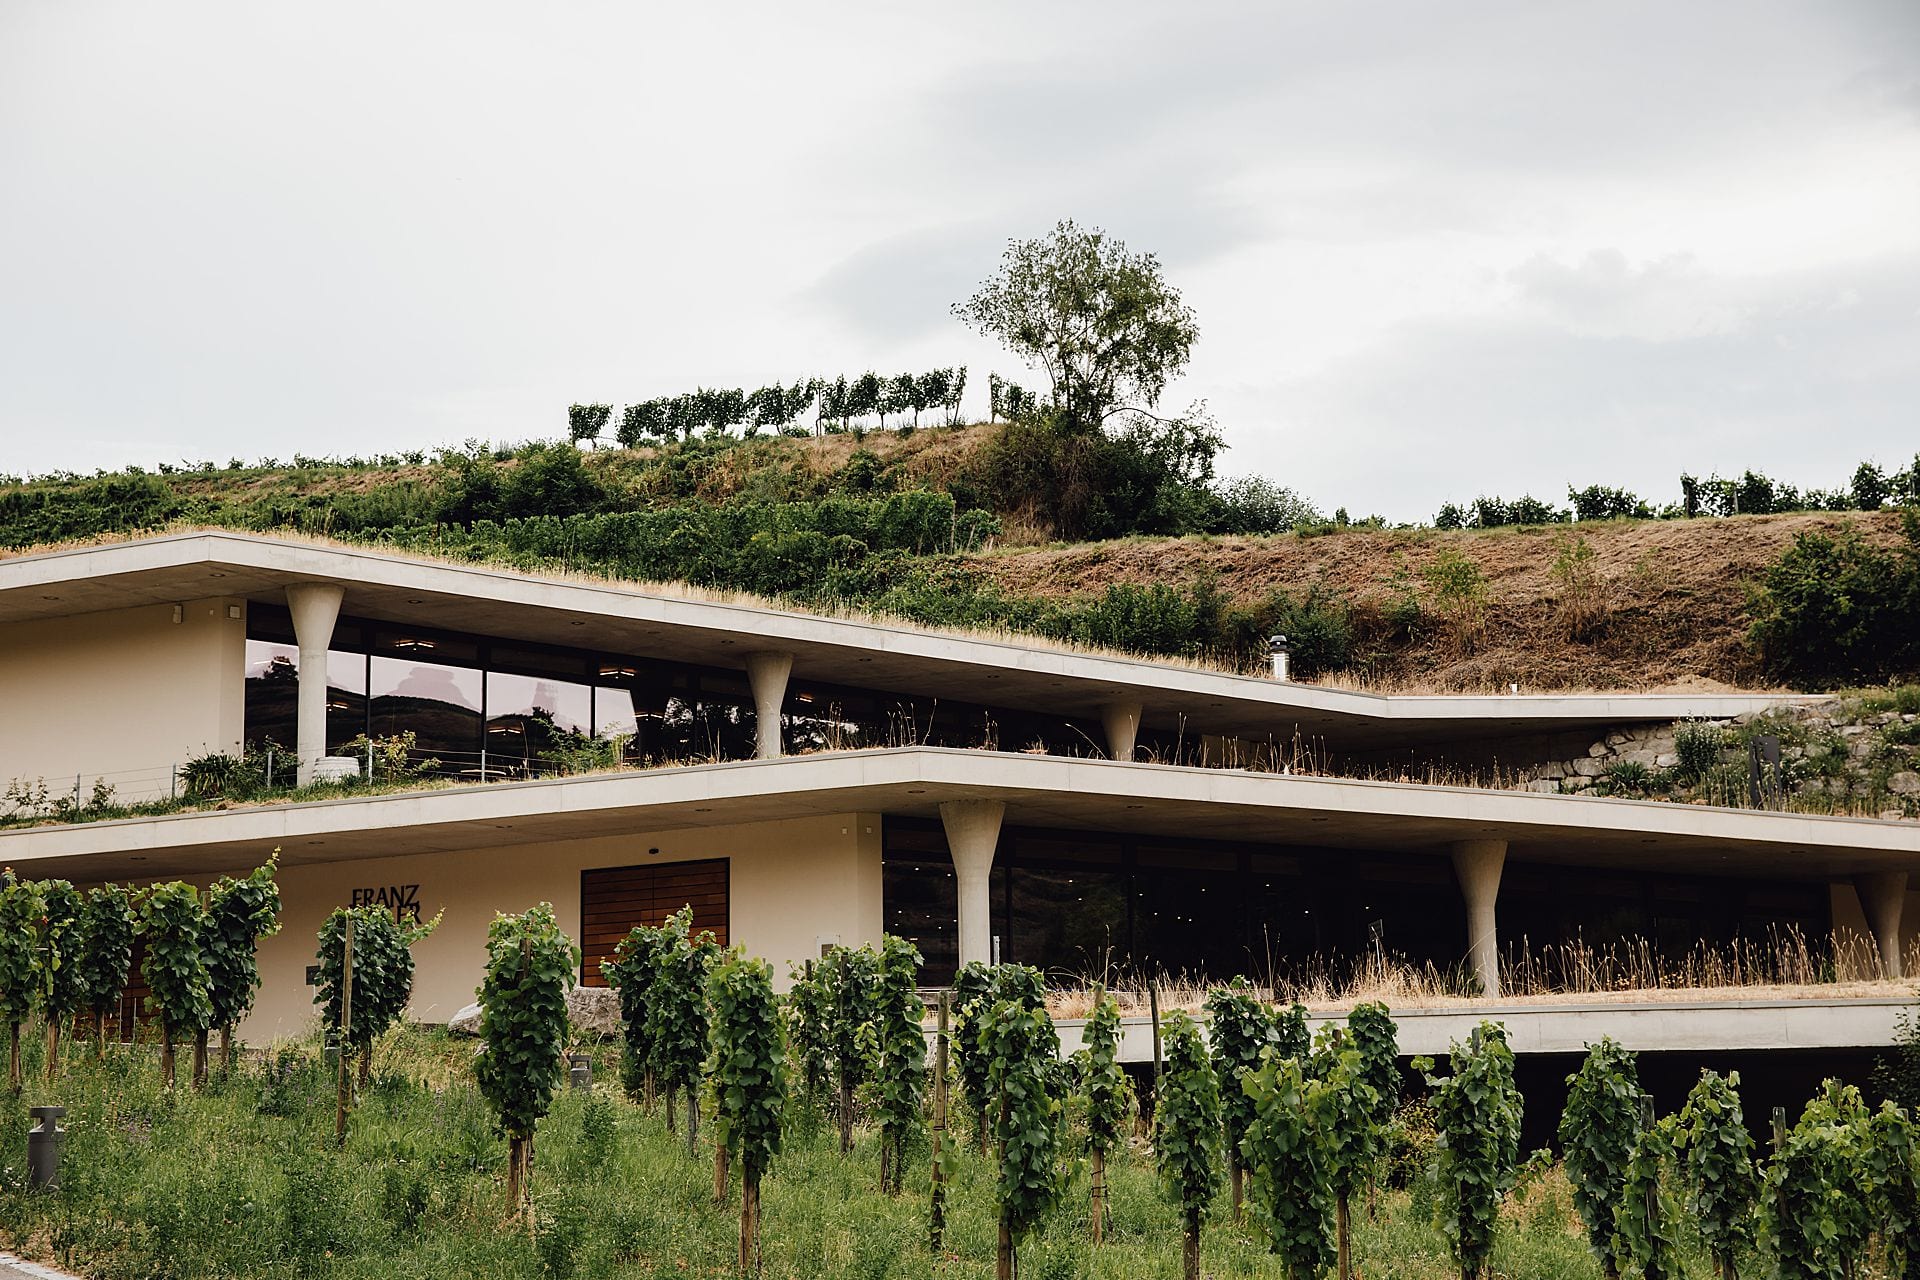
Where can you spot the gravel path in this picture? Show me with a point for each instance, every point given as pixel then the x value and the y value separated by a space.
pixel 12 1268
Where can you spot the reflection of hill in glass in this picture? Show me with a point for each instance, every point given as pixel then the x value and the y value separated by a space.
pixel 443 728
pixel 433 684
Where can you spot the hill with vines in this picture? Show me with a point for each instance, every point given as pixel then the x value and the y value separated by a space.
pixel 1124 540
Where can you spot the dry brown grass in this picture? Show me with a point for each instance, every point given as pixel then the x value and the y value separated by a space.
pixel 1785 966
pixel 1663 603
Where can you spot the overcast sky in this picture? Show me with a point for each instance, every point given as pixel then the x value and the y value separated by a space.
pixel 1435 249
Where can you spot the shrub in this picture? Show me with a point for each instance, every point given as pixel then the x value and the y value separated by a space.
pixel 382 976
pixel 631 972
pixel 1477 1109
pixel 1816 1207
pixel 106 953
pixel 1022 1050
pixel 1256 505
pixel 677 1014
pixel 1839 606
pixel 1579 589
pixel 1628 778
pixel 1645 1218
pixel 901 1063
pixel 1286 1147
pixel 1239 1031
pixel 523 1027
pixel 1718 1167
pixel 239 914
pixel 1460 595
pixel 1350 1131
pixel 746 1070
pixel 1187 1131
pixel 216 774
pixel 1598 502
pixel 1597 1132
pixel 173 923
pixel 1109 1096
pixel 62 986
pixel 1697 745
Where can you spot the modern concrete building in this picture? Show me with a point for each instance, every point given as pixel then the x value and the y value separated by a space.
pixel 801 780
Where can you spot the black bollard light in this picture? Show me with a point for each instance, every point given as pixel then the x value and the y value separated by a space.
pixel 44 1142
pixel 580 1070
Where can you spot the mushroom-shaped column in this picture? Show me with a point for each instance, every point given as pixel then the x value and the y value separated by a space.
pixel 973 834
pixel 315 607
pixel 1122 723
pixel 1882 894
pixel 768 671
pixel 1478 864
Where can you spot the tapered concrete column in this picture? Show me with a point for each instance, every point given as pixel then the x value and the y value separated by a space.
pixel 315 607
pixel 768 670
pixel 1122 722
pixel 1478 864
pixel 973 833
pixel 1882 895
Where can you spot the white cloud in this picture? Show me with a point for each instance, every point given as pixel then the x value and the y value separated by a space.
pixel 1433 249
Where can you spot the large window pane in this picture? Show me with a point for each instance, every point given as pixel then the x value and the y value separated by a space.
pixel 272 696
pixel 439 704
pixel 1071 924
pixel 529 717
pixel 346 698
pixel 272 693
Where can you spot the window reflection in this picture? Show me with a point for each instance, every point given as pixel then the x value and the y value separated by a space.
pixel 272 693
pixel 272 696
pixel 439 704
pixel 534 722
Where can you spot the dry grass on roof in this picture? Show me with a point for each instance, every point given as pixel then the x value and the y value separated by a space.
pixel 1379 682
pixel 676 590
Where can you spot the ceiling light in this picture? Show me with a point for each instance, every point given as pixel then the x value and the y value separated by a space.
pixel 410 643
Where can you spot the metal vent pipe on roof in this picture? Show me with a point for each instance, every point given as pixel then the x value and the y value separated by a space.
pixel 1277 647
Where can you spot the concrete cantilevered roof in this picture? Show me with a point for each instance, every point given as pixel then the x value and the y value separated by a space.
pixel 1039 791
pixel 896 657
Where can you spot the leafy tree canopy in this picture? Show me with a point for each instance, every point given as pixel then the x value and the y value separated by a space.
pixel 1103 323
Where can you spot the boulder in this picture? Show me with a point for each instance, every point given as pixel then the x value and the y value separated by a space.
pixel 594 1011
pixel 1904 783
pixel 591 1011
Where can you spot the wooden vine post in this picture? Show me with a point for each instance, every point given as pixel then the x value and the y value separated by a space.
pixel 343 1063
pixel 937 1208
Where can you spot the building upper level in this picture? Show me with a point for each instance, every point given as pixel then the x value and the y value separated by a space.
pixel 142 653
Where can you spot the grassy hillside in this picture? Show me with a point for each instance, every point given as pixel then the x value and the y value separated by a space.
pixel 965 527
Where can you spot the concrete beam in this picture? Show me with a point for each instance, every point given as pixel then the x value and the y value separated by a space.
pixel 768 671
pixel 973 835
pixel 315 607
pixel 1882 895
pixel 1122 723
pixel 1478 864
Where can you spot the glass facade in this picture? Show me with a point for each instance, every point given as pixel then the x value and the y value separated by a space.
pixel 1082 904
pixel 505 708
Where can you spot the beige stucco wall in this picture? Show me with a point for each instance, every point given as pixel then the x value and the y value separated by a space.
pixel 126 694
pixel 791 884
